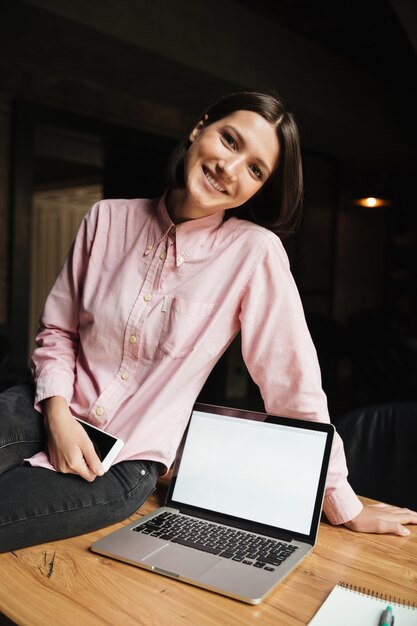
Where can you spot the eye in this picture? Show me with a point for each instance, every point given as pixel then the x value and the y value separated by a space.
pixel 256 171
pixel 229 140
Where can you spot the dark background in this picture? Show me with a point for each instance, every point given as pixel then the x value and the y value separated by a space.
pixel 99 92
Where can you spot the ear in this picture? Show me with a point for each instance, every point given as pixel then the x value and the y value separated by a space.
pixel 197 129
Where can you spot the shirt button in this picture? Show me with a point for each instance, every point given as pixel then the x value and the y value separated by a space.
pixel 147 297
pixel 180 259
pixel 100 410
pixel 163 256
pixel 132 339
pixel 149 246
pixel 124 375
pixel 142 472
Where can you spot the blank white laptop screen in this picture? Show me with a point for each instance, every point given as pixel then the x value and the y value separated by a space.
pixel 253 470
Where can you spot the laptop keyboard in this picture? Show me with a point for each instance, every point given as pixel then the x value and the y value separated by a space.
pixel 230 543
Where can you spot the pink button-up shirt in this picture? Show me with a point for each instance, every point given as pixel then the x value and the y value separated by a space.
pixel 143 309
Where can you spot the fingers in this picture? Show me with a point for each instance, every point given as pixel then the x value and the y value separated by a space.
pixel 70 449
pixel 396 529
pixel 92 461
pixel 84 471
pixel 384 526
pixel 87 464
pixel 76 466
pixel 383 519
pixel 407 516
pixel 76 463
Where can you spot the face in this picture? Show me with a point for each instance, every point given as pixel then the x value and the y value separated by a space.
pixel 228 162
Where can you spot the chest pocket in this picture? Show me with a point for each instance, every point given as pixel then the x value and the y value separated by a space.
pixel 183 323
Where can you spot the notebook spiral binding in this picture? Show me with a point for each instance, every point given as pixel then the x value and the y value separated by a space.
pixel 383 597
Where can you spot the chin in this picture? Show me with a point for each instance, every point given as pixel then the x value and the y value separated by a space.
pixel 202 198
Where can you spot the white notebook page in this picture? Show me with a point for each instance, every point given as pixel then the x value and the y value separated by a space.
pixel 346 607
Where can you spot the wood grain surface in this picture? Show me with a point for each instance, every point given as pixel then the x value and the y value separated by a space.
pixel 64 583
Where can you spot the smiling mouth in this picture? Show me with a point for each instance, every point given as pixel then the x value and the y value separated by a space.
pixel 213 181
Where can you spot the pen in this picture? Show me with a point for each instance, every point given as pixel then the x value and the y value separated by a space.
pixel 387 618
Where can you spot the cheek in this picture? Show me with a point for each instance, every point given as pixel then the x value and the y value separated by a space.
pixel 209 146
pixel 189 164
pixel 249 187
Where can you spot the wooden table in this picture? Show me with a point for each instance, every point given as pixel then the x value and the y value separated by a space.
pixel 63 583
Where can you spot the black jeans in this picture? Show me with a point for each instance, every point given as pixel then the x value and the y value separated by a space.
pixel 39 505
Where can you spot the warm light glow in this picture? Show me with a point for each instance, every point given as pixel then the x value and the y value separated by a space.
pixel 372 202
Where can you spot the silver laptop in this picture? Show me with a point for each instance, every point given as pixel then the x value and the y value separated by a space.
pixel 243 506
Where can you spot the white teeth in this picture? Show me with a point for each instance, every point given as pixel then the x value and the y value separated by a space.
pixel 213 182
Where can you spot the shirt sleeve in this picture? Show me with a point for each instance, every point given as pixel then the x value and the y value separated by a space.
pixel 281 358
pixel 57 340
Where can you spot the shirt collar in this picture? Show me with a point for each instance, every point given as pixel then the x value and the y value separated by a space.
pixel 189 236
pixel 160 225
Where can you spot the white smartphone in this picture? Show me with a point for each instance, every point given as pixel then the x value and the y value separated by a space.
pixel 107 446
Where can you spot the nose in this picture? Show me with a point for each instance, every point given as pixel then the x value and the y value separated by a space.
pixel 228 168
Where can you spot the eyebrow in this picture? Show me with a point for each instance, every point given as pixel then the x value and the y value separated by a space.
pixel 242 140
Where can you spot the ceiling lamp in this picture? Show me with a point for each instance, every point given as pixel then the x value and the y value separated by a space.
pixel 372 203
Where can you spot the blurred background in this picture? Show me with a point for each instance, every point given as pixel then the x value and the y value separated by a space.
pixel 94 95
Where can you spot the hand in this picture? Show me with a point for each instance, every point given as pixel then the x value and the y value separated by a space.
pixel 383 519
pixel 71 451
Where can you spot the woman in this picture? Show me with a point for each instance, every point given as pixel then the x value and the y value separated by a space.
pixel 150 296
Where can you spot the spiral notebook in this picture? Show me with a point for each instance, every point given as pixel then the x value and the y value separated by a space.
pixel 347 605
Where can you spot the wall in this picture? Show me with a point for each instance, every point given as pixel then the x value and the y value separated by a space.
pixel 5 129
pixel 360 262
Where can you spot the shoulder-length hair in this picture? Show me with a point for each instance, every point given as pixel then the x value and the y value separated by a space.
pixel 278 203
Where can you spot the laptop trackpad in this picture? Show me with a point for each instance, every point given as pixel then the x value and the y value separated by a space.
pixel 181 561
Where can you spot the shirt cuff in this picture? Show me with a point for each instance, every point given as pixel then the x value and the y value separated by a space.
pixel 51 386
pixel 341 505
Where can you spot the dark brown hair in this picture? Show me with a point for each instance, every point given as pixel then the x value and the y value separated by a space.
pixel 278 203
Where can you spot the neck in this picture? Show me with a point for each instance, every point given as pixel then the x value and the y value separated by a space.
pixel 177 205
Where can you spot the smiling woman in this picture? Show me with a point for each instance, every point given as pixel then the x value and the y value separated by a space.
pixel 168 283
pixel 226 164
pixel 252 154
